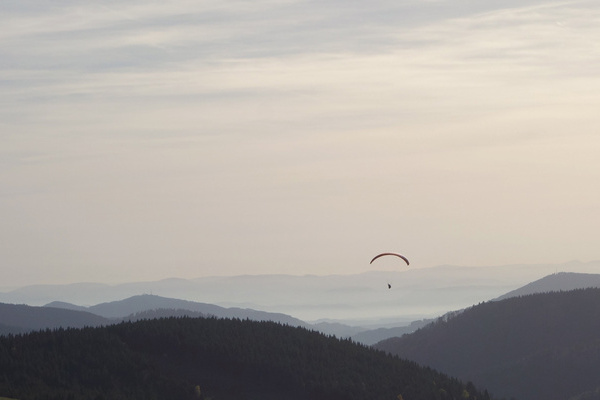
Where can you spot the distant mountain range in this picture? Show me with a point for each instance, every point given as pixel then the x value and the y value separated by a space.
pixel 22 318
pixel 543 346
pixel 357 299
pixel 143 303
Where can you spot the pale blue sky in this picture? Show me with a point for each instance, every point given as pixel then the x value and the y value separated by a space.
pixel 143 140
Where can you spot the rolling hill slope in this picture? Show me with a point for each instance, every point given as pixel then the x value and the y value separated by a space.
pixel 20 318
pixel 541 346
pixel 191 358
pixel 561 281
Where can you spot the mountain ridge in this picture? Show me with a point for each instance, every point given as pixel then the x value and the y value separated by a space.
pixel 146 302
pixel 560 281
pixel 17 318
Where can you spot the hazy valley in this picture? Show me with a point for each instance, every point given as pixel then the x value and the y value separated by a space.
pixel 358 299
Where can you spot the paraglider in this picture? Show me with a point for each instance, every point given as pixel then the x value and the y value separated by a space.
pixel 390 254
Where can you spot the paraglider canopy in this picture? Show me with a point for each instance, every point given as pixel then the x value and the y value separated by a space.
pixel 390 254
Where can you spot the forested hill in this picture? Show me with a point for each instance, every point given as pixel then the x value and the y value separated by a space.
pixel 541 346
pixel 190 358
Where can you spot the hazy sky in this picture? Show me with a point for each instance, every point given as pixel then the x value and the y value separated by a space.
pixel 149 139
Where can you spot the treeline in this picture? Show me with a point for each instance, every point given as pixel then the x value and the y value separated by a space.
pixel 191 358
pixel 163 313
